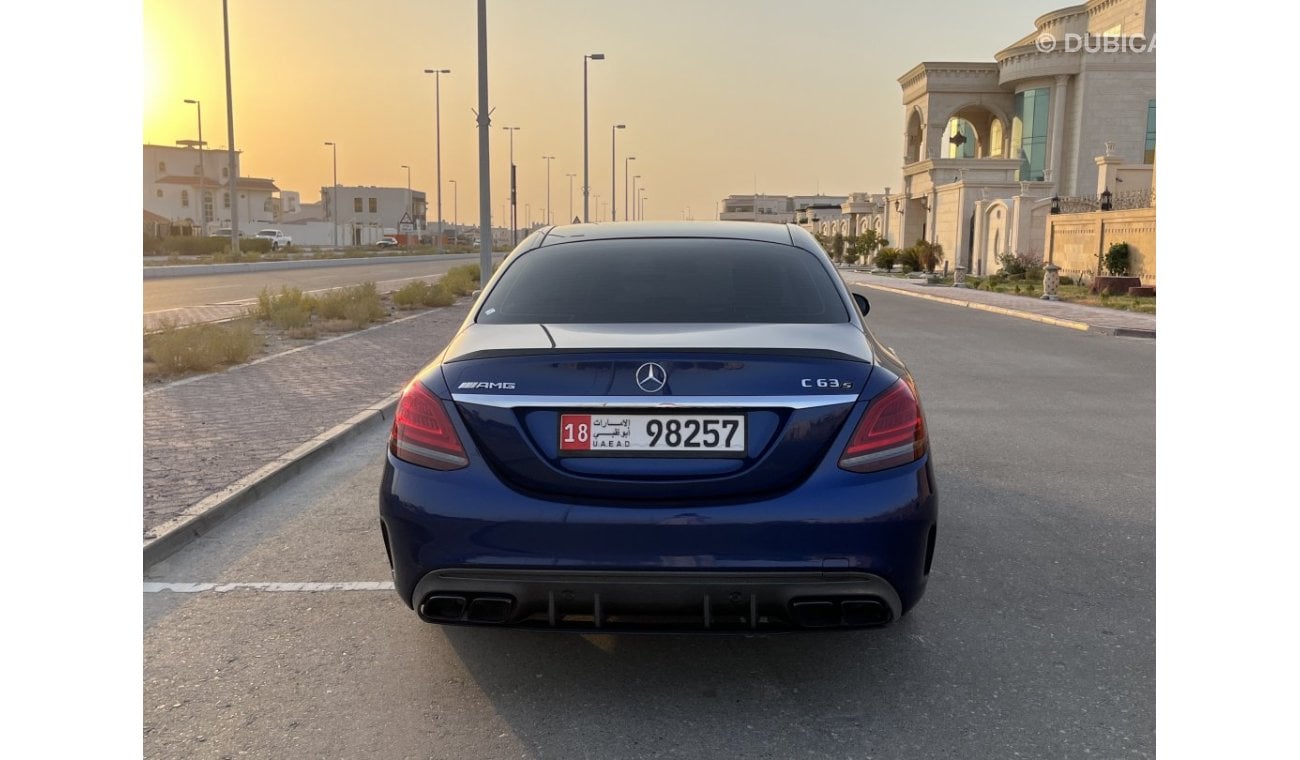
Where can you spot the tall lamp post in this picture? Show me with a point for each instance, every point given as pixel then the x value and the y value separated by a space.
pixel 627 210
pixel 334 195
pixel 549 213
pixel 635 196
pixel 203 177
pixel 410 209
pixel 230 136
pixel 641 203
pixel 514 199
pixel 437 131
pixel 570 175
pixel 455 208
pixel 586 163
pixel 613 172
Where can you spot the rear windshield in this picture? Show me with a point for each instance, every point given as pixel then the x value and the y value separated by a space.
pixel 668 280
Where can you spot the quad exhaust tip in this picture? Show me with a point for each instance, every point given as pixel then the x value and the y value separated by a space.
pixel 835 612
pixel 470 608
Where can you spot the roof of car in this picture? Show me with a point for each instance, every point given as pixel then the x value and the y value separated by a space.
pixel 760 231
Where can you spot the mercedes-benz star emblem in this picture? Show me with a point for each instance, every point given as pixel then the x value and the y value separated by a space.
pixel 650 377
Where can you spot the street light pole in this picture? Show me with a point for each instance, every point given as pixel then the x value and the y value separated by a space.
pixel 334 195
pixel 455 208
pixel 635 197
pixel 549 211
pixel 230 137
pixel 613 172
pixel 586 163
pixel 484 117
pixel 627 210
pixel 410 208
pixel 437 130
pixel 203 177
pixel 570 175
pixel 514 199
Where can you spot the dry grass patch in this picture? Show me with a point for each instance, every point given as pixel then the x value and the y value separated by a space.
pixel 200 348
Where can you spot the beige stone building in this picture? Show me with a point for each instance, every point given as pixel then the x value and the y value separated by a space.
pixel 1059 117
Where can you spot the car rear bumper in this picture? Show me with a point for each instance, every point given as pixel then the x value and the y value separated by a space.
pixel 694 601
pixel 839 536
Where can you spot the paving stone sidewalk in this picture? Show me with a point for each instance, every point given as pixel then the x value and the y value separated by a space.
pixel 1096 318
pixel 203 434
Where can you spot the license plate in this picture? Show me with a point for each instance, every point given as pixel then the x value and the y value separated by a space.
pixel 691 434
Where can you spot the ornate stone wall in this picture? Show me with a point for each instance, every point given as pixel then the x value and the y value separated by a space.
pixel 1076 240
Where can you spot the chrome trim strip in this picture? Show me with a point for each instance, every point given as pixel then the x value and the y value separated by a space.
pixel 653 402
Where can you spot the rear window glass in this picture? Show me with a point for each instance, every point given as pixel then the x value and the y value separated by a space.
pixel 622 281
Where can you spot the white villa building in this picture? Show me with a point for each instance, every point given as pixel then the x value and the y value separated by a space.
pixel 185 193
pixel 1057 114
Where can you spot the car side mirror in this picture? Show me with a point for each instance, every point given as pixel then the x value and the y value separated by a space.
pixel 864 306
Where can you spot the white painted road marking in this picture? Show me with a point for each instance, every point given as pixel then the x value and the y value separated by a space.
pixel 195 588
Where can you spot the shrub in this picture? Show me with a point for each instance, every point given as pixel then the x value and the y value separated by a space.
pixel 1067 280
pixel 153 245
pixel 462 280
pixel 1021 263
pixel 421 293
pixel 908 259
pixel 290 309
pixel 928 255
pixel 195 246
pixel 200 348
pixel 886 257
pixel 1117 260
pixel 358 305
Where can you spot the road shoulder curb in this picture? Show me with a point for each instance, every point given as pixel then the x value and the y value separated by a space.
pixel 1129 332
pixel 201 517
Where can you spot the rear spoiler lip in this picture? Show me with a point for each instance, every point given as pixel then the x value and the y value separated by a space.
pixel 811 353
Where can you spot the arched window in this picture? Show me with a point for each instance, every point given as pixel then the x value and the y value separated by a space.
pixel 162 167
pixel 266 205
pixel 225 172
pixel 185 198
pixel 160 192
pixel 962 141
pixel 995 139
pixel 225 200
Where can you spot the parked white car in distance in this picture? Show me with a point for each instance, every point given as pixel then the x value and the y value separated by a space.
pixel 278 239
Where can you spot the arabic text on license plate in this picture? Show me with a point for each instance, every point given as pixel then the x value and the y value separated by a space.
pixel 682 433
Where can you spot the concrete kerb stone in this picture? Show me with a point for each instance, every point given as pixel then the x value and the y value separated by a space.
pixel 1127 332
pixel 200 518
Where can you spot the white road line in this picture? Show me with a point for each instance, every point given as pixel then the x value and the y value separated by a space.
pixel 196 588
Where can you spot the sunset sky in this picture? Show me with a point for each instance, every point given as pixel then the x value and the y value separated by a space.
pixel 718 97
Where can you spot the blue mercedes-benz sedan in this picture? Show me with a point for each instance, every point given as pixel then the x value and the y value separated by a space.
pixel 662 426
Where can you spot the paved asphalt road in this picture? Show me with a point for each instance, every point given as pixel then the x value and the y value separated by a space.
pixel 200 290
pixel 1036 638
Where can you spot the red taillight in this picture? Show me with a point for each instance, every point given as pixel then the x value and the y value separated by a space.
pixel 423 433
pixel 891 432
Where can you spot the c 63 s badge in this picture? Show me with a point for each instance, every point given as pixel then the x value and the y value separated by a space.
pixel 829 383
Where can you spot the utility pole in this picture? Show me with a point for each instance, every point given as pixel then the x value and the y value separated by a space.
pixel 484 165
pixel 230 137
pixel 570 175
pixel 549 212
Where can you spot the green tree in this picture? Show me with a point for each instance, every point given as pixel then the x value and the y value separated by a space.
pixel 837 247
pixel 865 245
